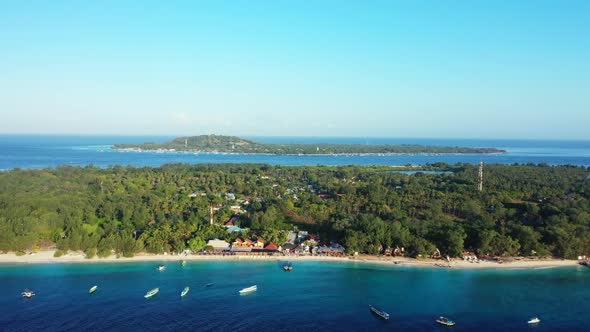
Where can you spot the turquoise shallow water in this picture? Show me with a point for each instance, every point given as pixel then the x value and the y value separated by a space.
pixel 316 296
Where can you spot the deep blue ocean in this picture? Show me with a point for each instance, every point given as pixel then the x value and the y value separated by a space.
pixel 316 296
pixel 42 151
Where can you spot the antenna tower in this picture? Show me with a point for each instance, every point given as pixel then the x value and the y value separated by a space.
pixel 211 214
pixel 480 177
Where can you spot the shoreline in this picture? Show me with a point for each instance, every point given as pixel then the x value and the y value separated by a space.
pixel 46 257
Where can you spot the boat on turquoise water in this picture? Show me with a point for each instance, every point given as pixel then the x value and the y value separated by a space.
pixel 209 284
pixel 248 290
pixel 288 267
pixel 183 263
pixel 27 294
pixel 93 289
pixel 151 293
pixel 382 314
pixel 534 320
pixel 161 268
pixel 445 321
pixel 184 291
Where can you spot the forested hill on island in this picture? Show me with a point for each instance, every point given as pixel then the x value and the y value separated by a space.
pixel 232 144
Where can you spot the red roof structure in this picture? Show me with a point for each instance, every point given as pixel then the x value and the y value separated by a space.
pixel 271 246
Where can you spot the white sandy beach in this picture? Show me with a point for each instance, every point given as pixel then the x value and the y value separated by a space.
pixel 46 257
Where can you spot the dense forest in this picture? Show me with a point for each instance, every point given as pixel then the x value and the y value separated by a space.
pixel 523 209
pixel 232 144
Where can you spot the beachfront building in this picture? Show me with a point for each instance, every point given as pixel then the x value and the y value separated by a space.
pixel 272 247
pixel 302 236
pixel 398 251
pixel 313 239
pixel 289 248
pixel 387 251
pixel 334 249
pixel 218 245
pixel 237 243
pixel 240 247
pixel 291 237
pixel 259 244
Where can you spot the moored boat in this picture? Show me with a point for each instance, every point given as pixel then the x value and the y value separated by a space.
pixel 248 290
pixel 288 267
pixel 534 320
pixel 27 294
pixel 161 268
pixel 93 289
pixel 445 321
pixel 382 314
pixel 151 293
pixel 184 291
pixel 183 263
pixel 209 284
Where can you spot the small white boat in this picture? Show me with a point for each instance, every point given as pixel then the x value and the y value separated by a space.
pixel 248 290
pixel 27 294
pixel 183 263
pixel 382 314
pixel 534 320
pixel 445 321
pixel 93 289
pixel 161 268
pixel 151 293
pixel 184 291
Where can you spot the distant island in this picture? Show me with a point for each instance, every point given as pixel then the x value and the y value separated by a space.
pixel 232 144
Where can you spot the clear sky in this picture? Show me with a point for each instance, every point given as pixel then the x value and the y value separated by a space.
pixel 456 68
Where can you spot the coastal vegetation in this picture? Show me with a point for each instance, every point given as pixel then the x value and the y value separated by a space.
pixel 526 210
pixel 232 144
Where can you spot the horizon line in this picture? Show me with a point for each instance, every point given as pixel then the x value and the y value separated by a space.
pixel 297 136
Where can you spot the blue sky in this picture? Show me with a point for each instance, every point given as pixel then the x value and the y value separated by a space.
pixel 474 69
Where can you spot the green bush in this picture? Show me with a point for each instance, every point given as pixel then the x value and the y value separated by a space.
pixel 59 253
pixel 128 254
pixel 90 252
pixel 104 253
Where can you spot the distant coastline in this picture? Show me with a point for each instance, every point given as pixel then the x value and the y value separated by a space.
pixel 360 154
pixel 215 144
pixel 46 257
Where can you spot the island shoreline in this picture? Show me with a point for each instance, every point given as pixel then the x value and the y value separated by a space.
pixel 352 154
pixel 46 257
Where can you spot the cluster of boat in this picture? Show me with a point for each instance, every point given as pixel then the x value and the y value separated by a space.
pixel 185 291
pixel 155 291
pixel 440 320
pixel 163 267
pixel 288 267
